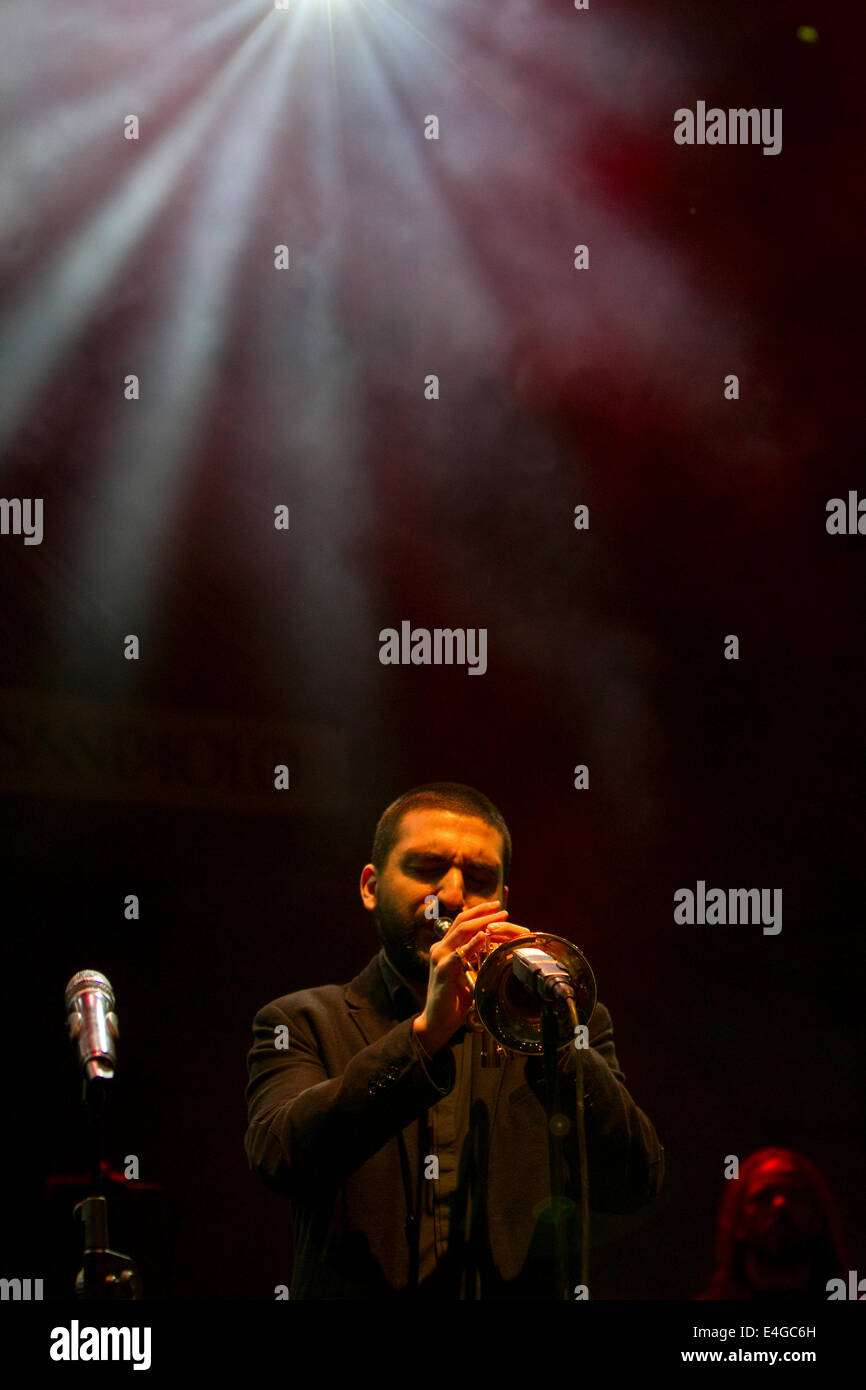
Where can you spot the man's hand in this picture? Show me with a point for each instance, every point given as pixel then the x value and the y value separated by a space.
pixel 449 995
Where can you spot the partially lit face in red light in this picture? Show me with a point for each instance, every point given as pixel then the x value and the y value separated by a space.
pixel 779 1217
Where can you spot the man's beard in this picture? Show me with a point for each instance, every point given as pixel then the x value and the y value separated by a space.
pixel 402 941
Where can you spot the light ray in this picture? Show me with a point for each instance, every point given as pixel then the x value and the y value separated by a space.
pixel 144 479
pixel 47 317
pixel 467 76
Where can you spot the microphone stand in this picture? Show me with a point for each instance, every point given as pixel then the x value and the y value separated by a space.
pixel 93 1096
pixel 105 1274
pixel 560 1205
pixel 582 1160
pixel 542 975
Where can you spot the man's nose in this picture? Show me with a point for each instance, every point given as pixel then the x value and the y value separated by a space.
pixel 450 892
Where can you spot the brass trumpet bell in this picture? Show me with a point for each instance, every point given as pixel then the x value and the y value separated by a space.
pixel 511 1013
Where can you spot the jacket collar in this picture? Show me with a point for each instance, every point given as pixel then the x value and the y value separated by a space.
pixel 370 1004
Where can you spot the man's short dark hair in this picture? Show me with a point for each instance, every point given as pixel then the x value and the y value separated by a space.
pixel 445 796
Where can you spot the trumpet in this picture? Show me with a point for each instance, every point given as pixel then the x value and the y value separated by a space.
pixel 509 1012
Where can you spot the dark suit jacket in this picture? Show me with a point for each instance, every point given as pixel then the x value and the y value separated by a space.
pixel 325 1113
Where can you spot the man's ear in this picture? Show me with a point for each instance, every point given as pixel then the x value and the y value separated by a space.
pixel 369 884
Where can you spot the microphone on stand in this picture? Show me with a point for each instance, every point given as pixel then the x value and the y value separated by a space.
pixel 541 974
pixel 92 1023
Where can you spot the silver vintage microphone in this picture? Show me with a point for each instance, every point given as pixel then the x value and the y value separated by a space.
pixel 92 1023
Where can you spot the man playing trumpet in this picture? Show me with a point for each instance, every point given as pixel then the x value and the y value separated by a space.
pixel 412 1168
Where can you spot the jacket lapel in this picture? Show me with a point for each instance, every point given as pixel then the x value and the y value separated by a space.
pixel 369 1004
